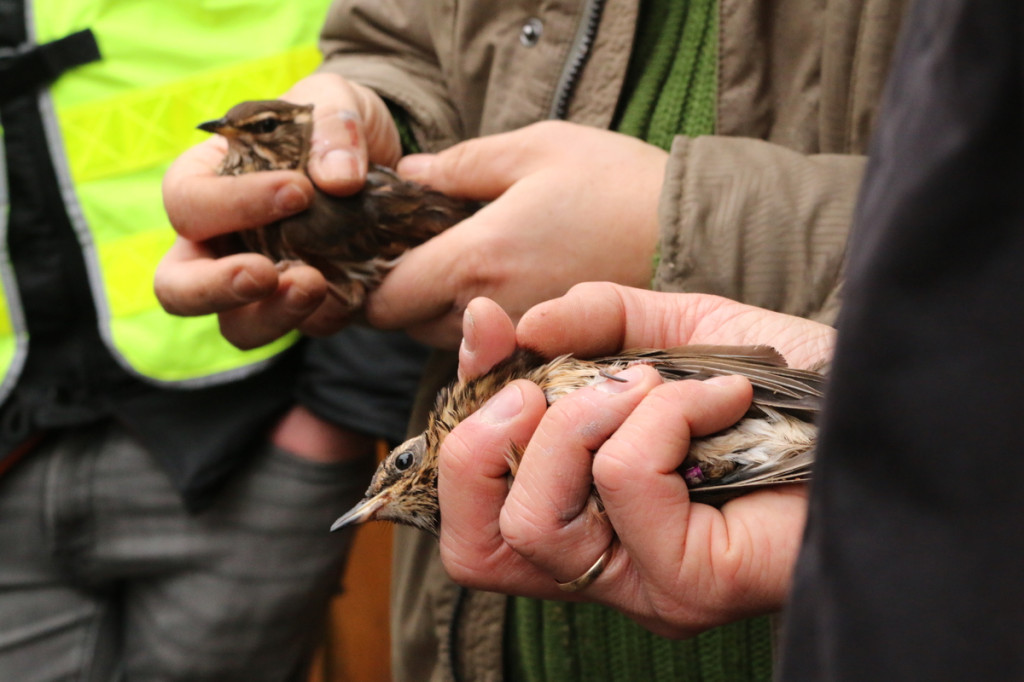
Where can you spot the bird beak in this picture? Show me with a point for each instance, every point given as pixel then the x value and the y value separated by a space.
pixel 216 126
pixel 362 512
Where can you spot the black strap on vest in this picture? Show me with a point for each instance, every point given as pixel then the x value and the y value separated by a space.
pixel 24 71
pixel 66 353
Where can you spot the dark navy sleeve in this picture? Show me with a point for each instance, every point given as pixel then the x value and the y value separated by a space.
pixel 912 560
pixel 363 379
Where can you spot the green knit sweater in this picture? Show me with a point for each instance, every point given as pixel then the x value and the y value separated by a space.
pixel 670 90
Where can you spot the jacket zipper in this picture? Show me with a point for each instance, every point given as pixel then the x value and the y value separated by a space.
pixel 578 54
pixel 570 75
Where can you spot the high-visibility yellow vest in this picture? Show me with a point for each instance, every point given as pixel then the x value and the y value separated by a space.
pixel 114 126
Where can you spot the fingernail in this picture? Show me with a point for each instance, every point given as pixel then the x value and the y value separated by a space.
pixel 339 164
pixel 469 340
pixel 245 285
pixel 298 300
pixel 290 199
pixel 352 121
pixel 415 165
pixel 621 382
pixel 506 404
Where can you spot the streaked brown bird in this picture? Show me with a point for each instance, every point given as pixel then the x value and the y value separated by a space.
pixel 772 445
pixel 353 240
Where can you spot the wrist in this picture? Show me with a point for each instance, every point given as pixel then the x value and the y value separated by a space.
pixel 303 433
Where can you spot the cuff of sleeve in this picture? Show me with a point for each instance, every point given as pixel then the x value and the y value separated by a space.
pixel 431 119
pixel 669 263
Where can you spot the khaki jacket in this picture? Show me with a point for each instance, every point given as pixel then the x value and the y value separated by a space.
pixel 758 212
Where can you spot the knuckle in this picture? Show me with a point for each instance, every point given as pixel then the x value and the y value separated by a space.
pixel 673 395
pixel 616 463
pixel 550 130
pixel 677 618
pixel 593 289
pixel 455 162
pixel 184 220
pixel 480 267
pixel 457 570
pixel 380 311
pixel 524 530
pixel 569 418
pixel 171 304
pixel 455 456
pixel 684 400
pixel 610 298
pixel 163 288
pixel 461 563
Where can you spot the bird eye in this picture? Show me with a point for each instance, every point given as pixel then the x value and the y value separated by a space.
pixel 263 126
pixel 404 461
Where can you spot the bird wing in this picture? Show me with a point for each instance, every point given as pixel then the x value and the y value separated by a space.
pixel 775 384
pixel 381 222
pixel 795 470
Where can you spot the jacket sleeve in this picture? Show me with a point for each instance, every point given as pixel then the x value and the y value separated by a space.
pixel 389 46
pixel 758 223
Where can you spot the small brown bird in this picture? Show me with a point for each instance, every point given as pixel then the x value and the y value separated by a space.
pixel 772 445
pixel 354 240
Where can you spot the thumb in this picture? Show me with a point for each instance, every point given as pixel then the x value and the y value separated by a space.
pixel 351 127
pixel 481 169
pixel 488 337
pixel 590 319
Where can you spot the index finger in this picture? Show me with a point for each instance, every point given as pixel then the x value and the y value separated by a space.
pixel 488 337
pixel 425 285
pixel 598 318
pixel 472 486
pixel 202 204
pixel 190 281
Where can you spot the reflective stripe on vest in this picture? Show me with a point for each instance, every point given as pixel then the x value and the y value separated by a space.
pixel 114 126
pixel 13 334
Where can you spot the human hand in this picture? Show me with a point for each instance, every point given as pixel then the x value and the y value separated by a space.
pixel 308 436
pixel 255 302
pixel 570 204
pixel 678 567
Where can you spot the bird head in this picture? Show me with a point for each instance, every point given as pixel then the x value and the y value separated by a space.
pixel 404 487
pixel 403 490
pixel 264 135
